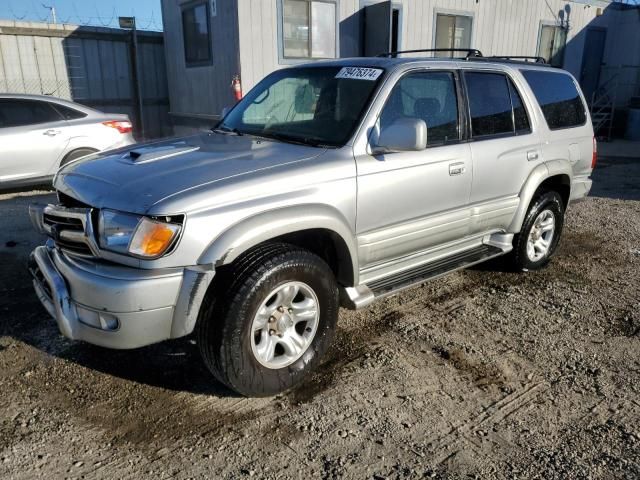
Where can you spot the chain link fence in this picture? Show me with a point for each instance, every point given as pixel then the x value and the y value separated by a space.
pixel 37 86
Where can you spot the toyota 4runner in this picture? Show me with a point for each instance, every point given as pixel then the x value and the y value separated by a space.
pixel 331 184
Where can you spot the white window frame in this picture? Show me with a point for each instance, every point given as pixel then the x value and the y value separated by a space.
pixel 456 13
pixel 282 60
pixel 546 23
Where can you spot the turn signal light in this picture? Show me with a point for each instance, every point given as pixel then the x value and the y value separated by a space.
pixel 594 158
pixel 153 238
pixel 123 126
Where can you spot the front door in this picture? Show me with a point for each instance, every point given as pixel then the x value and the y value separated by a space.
pixel 592 60
pixel 412 201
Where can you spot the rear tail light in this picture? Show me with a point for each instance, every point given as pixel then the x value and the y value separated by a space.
pixel 123 126
pixel 594 158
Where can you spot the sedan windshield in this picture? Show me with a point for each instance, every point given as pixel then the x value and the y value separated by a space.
pixel 319 106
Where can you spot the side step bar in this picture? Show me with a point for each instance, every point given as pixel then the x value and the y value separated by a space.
pixel 363 295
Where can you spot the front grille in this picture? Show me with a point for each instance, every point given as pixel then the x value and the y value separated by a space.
pixel 68 223
pixel 66 226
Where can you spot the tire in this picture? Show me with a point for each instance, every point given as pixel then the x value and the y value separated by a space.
pixel 230 331
pixel 545 209
pixel 75 154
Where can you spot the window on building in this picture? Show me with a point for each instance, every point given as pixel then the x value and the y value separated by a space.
pixel 453 31
pixel 430 96
pixel 15 113
pixel 495 105
pixel 308 29
pixel 558 97
pixel 553 39
pixel 196 34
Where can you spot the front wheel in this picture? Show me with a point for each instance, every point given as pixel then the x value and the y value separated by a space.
pixel 272 324
pixel 540 233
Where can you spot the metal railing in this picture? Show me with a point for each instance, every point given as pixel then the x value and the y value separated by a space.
pixel 603 102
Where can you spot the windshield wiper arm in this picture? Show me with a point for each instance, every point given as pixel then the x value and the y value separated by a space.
pixel 308 141
pixel 226 129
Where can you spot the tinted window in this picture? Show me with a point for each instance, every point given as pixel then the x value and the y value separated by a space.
pixel 69 113
pixel 558 97
pixel 195 30
pixel 14 113
pixel 430 97
pixel 519 111
pixel 489 104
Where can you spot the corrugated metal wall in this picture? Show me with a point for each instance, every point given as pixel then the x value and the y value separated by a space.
pixel 88 65
pixel 500 27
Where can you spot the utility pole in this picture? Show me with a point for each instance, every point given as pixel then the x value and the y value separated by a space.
pixel 52 11
pixel 130 23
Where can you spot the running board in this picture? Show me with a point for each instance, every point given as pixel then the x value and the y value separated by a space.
pixel 400 281
pixel 363 295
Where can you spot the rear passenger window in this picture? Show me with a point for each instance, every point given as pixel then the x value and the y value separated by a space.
pixel 520 116
pixel 489 104
pixel 430 96
pixel 558 97
pixel 16 113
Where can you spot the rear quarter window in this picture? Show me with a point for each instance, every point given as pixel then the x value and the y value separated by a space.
pixel 69 113
pixel 558 97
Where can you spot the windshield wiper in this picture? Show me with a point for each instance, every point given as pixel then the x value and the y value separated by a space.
pixel 308 141
pixel 226 129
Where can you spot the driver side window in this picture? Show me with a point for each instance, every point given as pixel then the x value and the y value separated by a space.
pixel 428 96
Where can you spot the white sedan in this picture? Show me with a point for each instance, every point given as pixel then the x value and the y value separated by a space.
pixel 38 134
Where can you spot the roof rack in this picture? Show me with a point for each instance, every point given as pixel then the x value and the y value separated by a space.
pixel 519 57
pixel 471 52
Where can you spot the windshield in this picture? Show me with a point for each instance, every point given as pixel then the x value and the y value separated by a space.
pixel 318 106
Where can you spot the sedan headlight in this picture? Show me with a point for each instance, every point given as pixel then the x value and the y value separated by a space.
pixel 135 234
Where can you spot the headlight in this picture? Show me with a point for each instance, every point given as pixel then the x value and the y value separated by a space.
pixel 135 234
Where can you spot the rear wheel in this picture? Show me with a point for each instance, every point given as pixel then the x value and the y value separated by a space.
pixel 540 233
pixel 272 322
pixel 75 154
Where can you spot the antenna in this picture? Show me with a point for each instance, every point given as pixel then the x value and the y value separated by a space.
pixel 52 9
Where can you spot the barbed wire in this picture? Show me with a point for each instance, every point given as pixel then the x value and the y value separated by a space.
pixel 32 12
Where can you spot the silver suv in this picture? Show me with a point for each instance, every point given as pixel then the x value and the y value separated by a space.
pixel 331 184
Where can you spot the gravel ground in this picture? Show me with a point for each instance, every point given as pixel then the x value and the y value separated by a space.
pixel 482 374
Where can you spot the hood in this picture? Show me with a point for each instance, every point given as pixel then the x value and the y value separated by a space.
pixel 137 177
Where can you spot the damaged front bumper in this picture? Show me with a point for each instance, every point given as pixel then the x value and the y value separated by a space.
pixel 117 306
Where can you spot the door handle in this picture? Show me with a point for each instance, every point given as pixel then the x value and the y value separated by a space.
pixel 51 132
pixel 457 168
pixel 532 155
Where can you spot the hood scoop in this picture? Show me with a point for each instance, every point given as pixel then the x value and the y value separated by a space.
pixel 153 154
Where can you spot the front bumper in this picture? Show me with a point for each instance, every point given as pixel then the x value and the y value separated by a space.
pixel 115 306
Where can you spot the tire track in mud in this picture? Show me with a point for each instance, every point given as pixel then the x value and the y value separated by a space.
pixel 460 436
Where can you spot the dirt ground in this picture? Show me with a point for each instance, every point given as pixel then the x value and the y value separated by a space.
pixel 482 374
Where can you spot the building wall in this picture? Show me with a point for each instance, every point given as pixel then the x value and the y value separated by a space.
pixel 500 27
pixel 88 65
pixel 201 91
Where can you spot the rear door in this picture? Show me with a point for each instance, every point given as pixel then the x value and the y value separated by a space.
pixel 33 136
pixel 504 147
pixel 411 201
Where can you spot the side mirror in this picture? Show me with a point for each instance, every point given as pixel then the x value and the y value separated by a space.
pixel 403 135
